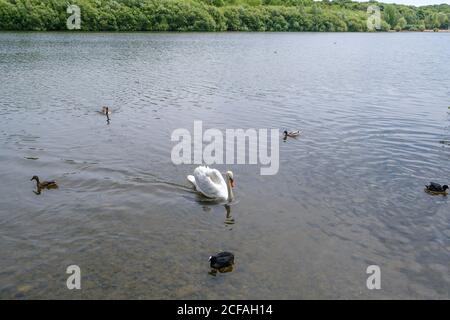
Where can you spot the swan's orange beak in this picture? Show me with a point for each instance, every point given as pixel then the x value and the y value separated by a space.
pixel 232 183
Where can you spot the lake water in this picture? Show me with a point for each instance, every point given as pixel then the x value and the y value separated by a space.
pixel 349 193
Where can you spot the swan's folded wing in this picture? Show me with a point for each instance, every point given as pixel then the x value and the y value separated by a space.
pixel 207 182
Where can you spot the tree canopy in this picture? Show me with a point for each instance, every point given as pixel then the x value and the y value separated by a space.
pixel 218 15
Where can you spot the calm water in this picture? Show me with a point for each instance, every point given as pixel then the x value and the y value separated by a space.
pixel 349 193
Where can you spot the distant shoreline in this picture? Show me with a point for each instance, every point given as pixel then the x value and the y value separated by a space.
pixel 212 32
pixel 443 30
pixel 220 16
pixel 426 31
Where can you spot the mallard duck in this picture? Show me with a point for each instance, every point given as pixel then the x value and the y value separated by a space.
pixel 44 184
pixel 106 111
pixel 291 134
pixel 221 260
pixel 436 188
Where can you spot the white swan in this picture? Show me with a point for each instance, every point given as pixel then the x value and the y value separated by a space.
pixel 211 184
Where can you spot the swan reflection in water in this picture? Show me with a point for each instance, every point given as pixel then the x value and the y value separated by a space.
pixel 229 220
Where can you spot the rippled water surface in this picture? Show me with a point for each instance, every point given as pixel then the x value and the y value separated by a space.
pixel 349 192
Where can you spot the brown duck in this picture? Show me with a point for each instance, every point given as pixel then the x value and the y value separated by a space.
pixel 106 111
pixel 44 184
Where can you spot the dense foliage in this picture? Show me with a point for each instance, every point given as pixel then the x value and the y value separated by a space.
pixel 217 15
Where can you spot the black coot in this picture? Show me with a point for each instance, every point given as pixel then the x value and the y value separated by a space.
pixel 436 188
pixel 221 260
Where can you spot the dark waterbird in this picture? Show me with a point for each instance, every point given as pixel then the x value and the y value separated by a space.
pixel 221 260
pixel 436 188
pixel 106 110
pixel 44 184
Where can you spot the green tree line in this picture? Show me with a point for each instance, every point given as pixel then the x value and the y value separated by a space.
pixel 218 15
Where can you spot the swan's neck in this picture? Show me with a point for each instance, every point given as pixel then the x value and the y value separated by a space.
pixel 230 190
